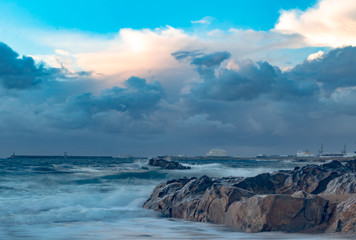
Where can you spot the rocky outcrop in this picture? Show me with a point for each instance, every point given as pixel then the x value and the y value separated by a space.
pixel 312 178
pixel 290 201
pixel 344 219
pixel 165 164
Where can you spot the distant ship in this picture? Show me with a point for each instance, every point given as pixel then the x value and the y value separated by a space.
pixel 216 153
pixel 343 153
pixel 350 154
pixel 306 153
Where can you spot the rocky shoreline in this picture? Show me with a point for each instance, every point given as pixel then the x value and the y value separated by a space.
pixel 309 199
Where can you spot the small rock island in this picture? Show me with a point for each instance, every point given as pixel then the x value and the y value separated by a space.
pixel 164 163
pixel 312 198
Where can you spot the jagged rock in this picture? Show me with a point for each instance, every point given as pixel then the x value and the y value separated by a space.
pixel 312 178
pixel 165 164
pixel 344 219
pixel 289 200
pixel 345 184
pixel 210 200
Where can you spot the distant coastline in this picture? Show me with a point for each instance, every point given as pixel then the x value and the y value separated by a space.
pixel 178 158
pixel 56 157
pixel 291 158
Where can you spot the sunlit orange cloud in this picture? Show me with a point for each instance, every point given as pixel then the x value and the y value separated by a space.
pixel 148 51
pixel 135 52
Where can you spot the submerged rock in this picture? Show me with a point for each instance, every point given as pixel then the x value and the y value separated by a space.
pixel 287 201
pixel 165 164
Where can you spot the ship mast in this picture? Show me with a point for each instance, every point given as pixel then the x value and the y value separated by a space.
pixel 321 150
pixel 343 151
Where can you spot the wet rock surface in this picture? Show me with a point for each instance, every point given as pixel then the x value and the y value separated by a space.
pixel 289 201
pixel 165 164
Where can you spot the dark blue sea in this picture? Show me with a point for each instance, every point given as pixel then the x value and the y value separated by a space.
pixel 102 199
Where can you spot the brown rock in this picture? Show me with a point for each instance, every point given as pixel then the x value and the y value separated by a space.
pixel 278 213
pixel 291 203
pixel 344 219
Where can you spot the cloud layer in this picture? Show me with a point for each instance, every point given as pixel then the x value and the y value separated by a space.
pixel 171 90
pixel 240 105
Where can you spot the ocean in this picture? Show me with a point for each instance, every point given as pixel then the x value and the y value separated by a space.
pixel 102 199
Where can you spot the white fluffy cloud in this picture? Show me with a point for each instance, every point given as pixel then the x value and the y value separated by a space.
pixel 315 56
pixel 328 23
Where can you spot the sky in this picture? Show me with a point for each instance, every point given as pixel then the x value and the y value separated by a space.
pixel 149 78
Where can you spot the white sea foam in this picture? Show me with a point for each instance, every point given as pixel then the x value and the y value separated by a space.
pixel 220 170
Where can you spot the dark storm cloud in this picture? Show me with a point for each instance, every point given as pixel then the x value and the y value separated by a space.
pixel 334 70
pixel 252 80
pixel 289 89
pixel 21 73
pixel 235 104
pixel 247 83
pixel 231 85
pixel 136 97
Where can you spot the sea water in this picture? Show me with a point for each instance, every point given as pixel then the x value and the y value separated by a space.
pixel 102 199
